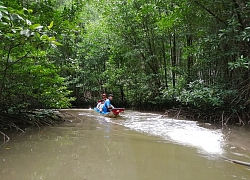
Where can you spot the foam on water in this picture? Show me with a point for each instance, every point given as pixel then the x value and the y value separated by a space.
pixel 178 131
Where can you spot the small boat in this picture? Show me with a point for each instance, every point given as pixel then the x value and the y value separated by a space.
pixel 114 112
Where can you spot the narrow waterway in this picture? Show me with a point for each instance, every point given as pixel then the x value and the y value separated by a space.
pixel 135 146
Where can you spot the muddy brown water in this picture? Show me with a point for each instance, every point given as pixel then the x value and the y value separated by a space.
pixel 135 146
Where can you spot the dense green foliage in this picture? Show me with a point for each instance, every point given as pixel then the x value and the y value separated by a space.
pixel 189 53
pixel 29 78
pixel 161 53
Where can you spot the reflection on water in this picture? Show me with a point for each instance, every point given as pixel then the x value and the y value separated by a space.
pixel 136 146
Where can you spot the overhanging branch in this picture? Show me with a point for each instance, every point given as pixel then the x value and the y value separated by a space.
pixel 210 12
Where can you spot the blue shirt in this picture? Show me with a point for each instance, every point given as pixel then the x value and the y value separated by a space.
pixel 106 105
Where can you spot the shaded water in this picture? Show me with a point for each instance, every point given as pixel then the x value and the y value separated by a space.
pixel 136 146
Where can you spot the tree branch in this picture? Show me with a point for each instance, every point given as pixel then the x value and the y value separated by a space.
pixel 236 5
pixel 210 12
pixel 21 58
pixel 5 137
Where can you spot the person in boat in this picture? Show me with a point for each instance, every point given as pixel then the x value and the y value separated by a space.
pixel 107 105
pixel 99 101
pixel 101 105
pixel 98 104
pixel 104 97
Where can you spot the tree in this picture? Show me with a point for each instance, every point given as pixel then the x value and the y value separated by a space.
pixel 28 77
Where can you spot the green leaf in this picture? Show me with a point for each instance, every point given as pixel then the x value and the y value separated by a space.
pixel 4 23
pixel 44 37
pixel 51 25
pixel 8 35
pixel 3 7
pixel 6 17
pixel 26 32
pixel 36 26
pixel 56 43
pixel 28 22
pixel 52 39
pixel 37 35
pixel 13 30
pixel 30 10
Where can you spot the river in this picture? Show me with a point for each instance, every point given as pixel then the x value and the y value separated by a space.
pixel 135 146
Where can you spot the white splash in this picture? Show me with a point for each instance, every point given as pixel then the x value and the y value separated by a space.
pixel 178 131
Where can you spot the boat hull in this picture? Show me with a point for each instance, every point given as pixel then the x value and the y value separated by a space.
pixel 114 112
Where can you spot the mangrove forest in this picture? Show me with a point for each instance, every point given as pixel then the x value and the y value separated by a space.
pixel 191 57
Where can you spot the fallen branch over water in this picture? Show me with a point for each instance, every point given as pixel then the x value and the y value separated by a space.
pixel 237 161
pixel 5 136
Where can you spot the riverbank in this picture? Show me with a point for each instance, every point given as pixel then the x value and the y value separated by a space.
pixel 20 120
pixel 214 116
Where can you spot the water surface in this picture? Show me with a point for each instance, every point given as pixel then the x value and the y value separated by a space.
pixel 136 146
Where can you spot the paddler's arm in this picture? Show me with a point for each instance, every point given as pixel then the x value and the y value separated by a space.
pixel 110 107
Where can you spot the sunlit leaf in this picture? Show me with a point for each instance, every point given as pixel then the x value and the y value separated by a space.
pixel 2 7
pixel 28 22
pixel 6 17
pixel 25 32
pixel 44 37
pixel 51 25
pixel 56 43
pixel 52 39
pixel 13 30
pixel 30 10
pixel 36 26
pixel 4 23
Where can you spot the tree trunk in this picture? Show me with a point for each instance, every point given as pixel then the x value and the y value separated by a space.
pixel 190 59
pixel 164 63
pixel 173 59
